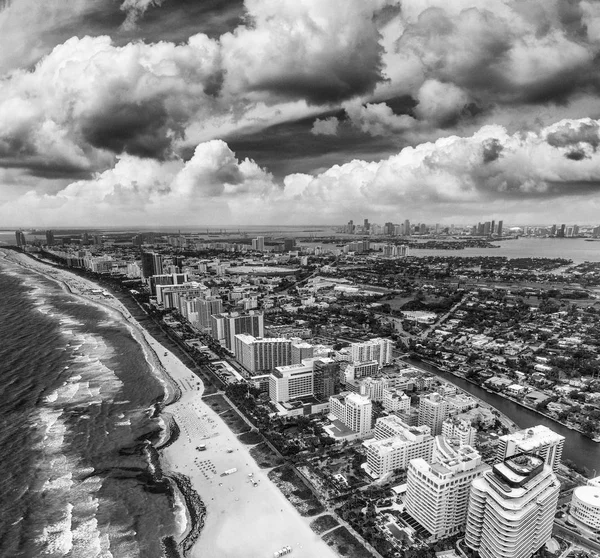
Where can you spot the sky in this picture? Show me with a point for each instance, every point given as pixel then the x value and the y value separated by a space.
pixel 284 112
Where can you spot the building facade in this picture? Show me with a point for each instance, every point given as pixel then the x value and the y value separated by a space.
pixel 433 410
pixel 259 355
pixel 437 494
pixel 539 440
pixel 511 508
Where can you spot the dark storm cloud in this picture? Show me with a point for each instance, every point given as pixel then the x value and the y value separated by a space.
pixel 144 130
pixel 576 154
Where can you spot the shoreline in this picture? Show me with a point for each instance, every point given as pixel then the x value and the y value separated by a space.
pixel 246 504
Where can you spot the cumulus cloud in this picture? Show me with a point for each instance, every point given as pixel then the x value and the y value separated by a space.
pixel 305 49
pixel 207 188
pixel 88 99
pixel 457 173
pixel 325 126
pixel 377 119
pixel 440 102
pixel 459 65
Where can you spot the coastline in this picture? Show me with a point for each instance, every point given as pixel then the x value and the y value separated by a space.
pixel 243 513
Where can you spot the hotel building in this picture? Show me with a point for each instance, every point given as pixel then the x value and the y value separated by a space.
pixel 539 440
pixel 511 508
pixel 437 494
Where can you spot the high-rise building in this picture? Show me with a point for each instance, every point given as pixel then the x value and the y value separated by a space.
pixel 407 230
pixel 437 494
pixel 326 378
pixel 540 440
pixel 300 351
pixel 224 327
pixel 20 238
pixel 152 264
pixel 258 244
pixel 433 410
pixel 167 279
pixel 395 444
pixel 289 244
pixel 291 382
pixel 511 508
pixel 378 349
pixel 259 355
pixel 50 238
pixel 372 388
pixel 206 308
pixel 499 232
pixel 366 225
pixel 354 410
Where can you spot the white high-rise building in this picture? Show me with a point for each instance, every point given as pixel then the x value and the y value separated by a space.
pixel 390 453
pixel 262 354
pixel 437 494
pixel 539 440
pixel 291 382
pixel 354 410
pixel 224 327
pixel 511 508
pixel 373 388
pixel 433 410
pixel 396 401
pixel 459 430
pixel 378 349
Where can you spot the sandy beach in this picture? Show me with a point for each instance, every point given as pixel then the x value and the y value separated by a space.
pixel 246 514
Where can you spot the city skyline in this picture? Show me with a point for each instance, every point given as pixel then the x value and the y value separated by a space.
pixel 231 112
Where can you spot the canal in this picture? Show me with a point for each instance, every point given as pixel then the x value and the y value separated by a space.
pixel 578 448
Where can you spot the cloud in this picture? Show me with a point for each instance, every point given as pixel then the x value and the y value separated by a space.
pixel 325 126
pixel 440 102
pixel 140 190
pixel 458 174
pixel 89 99
pixel 135 9
pixel 306 49
pixel 574 133
pixel 378 119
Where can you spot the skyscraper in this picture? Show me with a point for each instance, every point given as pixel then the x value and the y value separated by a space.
pixel 437 494
pixel 264 354
pixel 20 238
pixel 433 410
pixel 407 227
pixel 258 244
pixel 50 238
pixel 152 264
pixel 511 508
pixel 224 327
pixel 500 228
pixel 206 308
pixel 326 378
pixel 379 349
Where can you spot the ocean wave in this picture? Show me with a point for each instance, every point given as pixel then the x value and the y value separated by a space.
pixel 57 538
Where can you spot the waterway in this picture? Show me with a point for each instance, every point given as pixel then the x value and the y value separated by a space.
pixel 577 249
pixel 578 448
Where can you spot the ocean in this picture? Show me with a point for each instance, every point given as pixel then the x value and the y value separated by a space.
pixel 77 424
